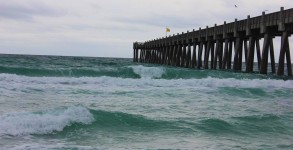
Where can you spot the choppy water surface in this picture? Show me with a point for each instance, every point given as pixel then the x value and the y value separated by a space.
pixel 51 102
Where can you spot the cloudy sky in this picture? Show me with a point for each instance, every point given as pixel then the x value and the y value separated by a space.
pixel 107 28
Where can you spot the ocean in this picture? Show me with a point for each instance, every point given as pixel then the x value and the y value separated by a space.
pixel 72 103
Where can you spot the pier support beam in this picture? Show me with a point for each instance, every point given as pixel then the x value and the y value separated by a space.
pixel 199 64
pixel 188 56
pixel 226 54
pixel 178 55
pixel 218 54
pixel 183 56
pixel 258 53
pixel 194 63
pixel 250 55
pixel 238 54
pixel 265 54
pixel 285 50
pixel 207 55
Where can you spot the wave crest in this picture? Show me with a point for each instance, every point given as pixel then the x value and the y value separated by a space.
pixel 44 122
pixel 148 72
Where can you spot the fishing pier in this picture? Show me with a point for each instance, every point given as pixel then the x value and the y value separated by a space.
pixel 215 47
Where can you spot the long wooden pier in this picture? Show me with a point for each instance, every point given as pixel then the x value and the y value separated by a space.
pixel 213 47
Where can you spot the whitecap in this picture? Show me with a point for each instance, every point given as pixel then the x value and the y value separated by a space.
pixel 18 124
pixel 148 72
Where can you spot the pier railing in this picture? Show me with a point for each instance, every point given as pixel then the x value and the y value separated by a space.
pixel 213 47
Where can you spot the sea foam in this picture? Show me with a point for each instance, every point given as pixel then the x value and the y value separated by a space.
pixel 148 72
pixel 9 81
pixel 18 124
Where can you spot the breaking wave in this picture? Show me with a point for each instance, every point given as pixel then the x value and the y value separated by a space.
pixel 45 122
pixel 145 82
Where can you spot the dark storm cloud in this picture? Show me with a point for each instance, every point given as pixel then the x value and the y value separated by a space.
pixel 26 11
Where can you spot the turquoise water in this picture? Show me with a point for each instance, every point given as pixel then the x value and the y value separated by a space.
pixel 54 102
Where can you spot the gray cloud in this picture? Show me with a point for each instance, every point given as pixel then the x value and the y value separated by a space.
pixel 26 11
pixel 158 20
pixel 108 27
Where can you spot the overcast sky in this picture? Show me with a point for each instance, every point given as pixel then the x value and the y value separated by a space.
pixel 107 28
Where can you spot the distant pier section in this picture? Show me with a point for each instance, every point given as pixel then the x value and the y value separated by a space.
pixel 227 46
